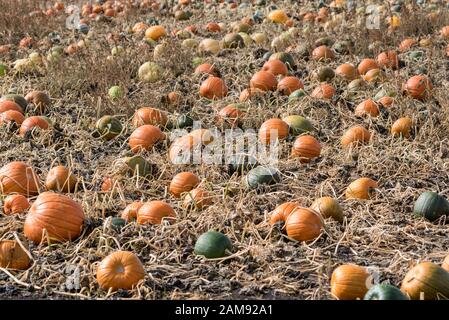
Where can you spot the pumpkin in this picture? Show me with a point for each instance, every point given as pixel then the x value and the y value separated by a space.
pixel 347 71
pixel 262 175
pixel 213 27
pixel 273 129
pixel 303 224
pixel 209 45
pixel 328 208
pixel 323 91
pixel 18 177
pixel 276 67
pixel 360 188
pixel 154 212
pixel 402 127
pixel 130 212
pixel 407 44
pixel 426 281
pixel 306 148
pixel 445 264
pixel 109 127
pixel 418 87
pixel 349 282
pixel 278 16
pixel 213 88
pixel 60 216
pixel 212 244
pixel 180 151
pixel 155 33
pixel 12 256
pixel 15 203
pixel 386 101
pixel 139 27
pixel 197 198
pixel 18 99
pixel 233 41
pixel 388 59
pixel 366 65
pixel 247 94
pixel 33 122
pixel 286 58
pixel 322 53
pixel 108 184
pixel 384 292
pixel 120 270
pixel 431 206
pixel 145 137
pixel 324 74
pixel 367 107
pixel 149 72
pixel 282 211
pixel 7 105
pixel 60 178
pixel 444 32
pixel 152 116
pixel 183 182
pixel 11 116
pixel 40 100
pixel 264 81
pixel 138 166
pixel 289 84
pixel 298 124
pixel 240 162
pixel 374 75
pixel 231 115
pixel 201 136
pixel 354 136
pixel 206 68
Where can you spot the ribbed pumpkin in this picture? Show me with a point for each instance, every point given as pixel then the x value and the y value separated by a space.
pixel 278 16
pixel 147 115
pixel 384 292
pixel 303 224
pixel 347 71
pixel 183 182
pixel 18 177
pixel 145 137
pixel 322 53
pixel 130 212
pixel 287 85
pixel 206 68
pixel 407 44
pixel 360 189
pixel 418 87
pixel 285 57
pixel 328 208
pixel 32 122
pixel 402 127
pixel 108 127
pixel 298 124
pixel 197 198
pixel 120 270
pixel 264 81
pixel 445 264
pixel 349 282
pixel 15 203
pixel 11 116
pixel 426 281
pixel 282 211
pixel 212 244
pixel 306 148
pixel 374 76
pixel 366 65
pixel 154 211
pixel 213 27
pixel 273 129
pixel 323 91
pixel 6 105
pixel 276 67
pixel 12 256
pixel 386 101
pixel 155 33
pixel 213 88
pixel 60 178
pixel 60 216
pixel 17 98
pixel 39 99
pixel 367 107
pixel 388 59
pixel 262 175
pixel 431 206
pixel 354 136
pixel 230 115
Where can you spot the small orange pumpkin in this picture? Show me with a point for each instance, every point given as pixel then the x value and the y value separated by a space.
pixel 155 32
pixel 197 198
pixel 360 189
pixel 32 122
pixel 213 88
pixel 354 136
pixel 323 91
pixel 386 101
pixel 154 212
pixel 183 182
pixel 322 53
pixel 12 256
pixel 418 87
pixel 11 116
pixel 388 59
pixel 206 68
pixel 303 224
pixel 273 129
pixel 263 80
pixel 306 148
pixel 130 212
pixel 231 115
pixel 289 84
pixel 6 105
pixel 407 44
pixel 282 211
pixel 145 137
pixel 15 203
pixel 247 94
pixel 366 65
pixel 60 178
pixel 18 177
pixel 147 115
pixel 402 127
pixel 367 107
pixel 347 71
pixel 349 282
pixel 213 27
pixel 276 67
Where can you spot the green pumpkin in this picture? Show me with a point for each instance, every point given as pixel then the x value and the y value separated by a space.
pixel 298 124
pixel 343 47
pixel 384 93
pixel 212 244
pixel 137 165
pixel 325 74
pixel 286 58
pixel 108 127
pixel 118 223
pixel 233 41
pixel 183 121
pixel 241 163
pixel 17 98
pixel 431 206
pixel 262 176
pixel 296 95
pixel 384 292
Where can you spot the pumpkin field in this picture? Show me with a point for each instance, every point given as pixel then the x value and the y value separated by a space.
pixel 112 112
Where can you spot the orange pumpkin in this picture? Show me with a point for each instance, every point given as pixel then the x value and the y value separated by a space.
pixel 322 53
pixel 418 87
pixel 15 203
pixel 120 270
pixel 360 189
pixel 213 27
pixel 347 71
pixel 155 33
pixel 11 116
pixel 201 136
pixel 18 177
pixel 323 91
pixel 60 178
pixel 354 136
pixel 206 68
pixel 231 115
pixel 303 224
pixel 349 282
pixel 145 137
pixel 386 101
pixel 213 88
pixel 289 84
pixel 388 59
pixel 12 256
pixel 426 281
pixel 374 75
pixel 444 32
pixel 130 212
pixel 306 148
pixel 197 198
pixel 282 211
pixel 32 122
pixel 147 115
pixel 154 211
pixel 39 98
pixel 366 65
pixel 276 67
pixel 183 182
pixel 263 80
pixel 139 27
pixel 402 127
pixel 367 107
pixel 407 44
pixel 108 184
pixel 272 130
pixel 6 105
pixel 61 218
pixel 247 94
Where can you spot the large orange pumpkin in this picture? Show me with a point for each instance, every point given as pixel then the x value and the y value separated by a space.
pixel 15 203
pixel 60 178
pixel 426 281
pixel 354 136
pixel 6 105
pixel 145 137
pixel 263 80
pixel 32 122
pixel 11 116
pixel 12 256
pixel 147 115
pixel 272 130
pixel 183 182
pixel 58 215
pixel 18 177
pixel 303 224
pixel 349 282
pixel 306 148
pixel 418 87
pixel 213 88
pixel 154 211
